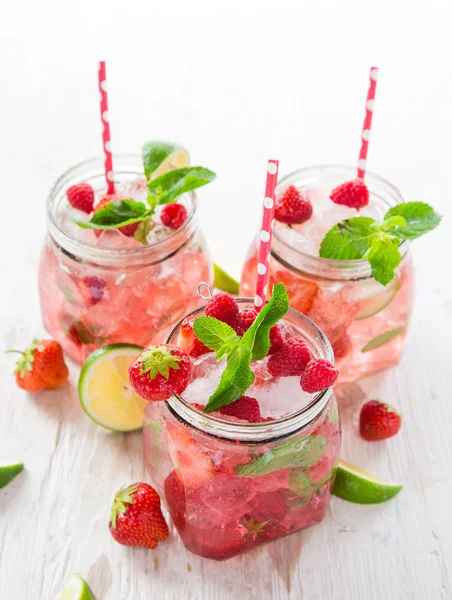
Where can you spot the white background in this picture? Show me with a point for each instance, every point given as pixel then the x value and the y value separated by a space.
pixel 237 83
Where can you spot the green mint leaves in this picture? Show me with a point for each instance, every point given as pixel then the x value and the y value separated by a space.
pixel 117 214
pixel 255 343
pixel 168 187
pixel 302 452
pixel 363 237
pixel 216 335
pixel 162 190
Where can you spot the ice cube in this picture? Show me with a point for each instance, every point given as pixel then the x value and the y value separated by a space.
pixel 280 397
pixel 200 389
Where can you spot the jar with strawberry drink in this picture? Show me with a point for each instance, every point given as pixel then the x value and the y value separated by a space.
pixel 342 249
pixel 122 268
pixel 236 474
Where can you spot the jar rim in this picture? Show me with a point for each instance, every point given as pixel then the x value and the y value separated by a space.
pixel 125 163
pixel 317 265
pixel 254 432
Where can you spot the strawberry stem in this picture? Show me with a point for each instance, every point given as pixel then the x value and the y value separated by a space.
pixel 123 497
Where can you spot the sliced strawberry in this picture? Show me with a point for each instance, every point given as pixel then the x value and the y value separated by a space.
pixel 195 466
pixel 301 291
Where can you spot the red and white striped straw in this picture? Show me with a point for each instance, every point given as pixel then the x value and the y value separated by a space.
pixel 266 234
pixel 362 162
pixel 106 128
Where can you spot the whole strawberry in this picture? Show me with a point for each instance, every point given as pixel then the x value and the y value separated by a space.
pixel 159 372
pixel 223 307
pixel 318 375
pixel 127 230
pixel 173 215
pixel 353 194
pixel 378 421
pixel 41 366
pixel 245 408
pixel 136 518
pixel 293 207
pixel 290 360
pixel 81 197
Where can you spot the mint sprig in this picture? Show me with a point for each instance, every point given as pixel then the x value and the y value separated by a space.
pixel 363 237
pixel 255 343
pixel 168 187
pixel 216 335
pixel 117 214
pixel 162 190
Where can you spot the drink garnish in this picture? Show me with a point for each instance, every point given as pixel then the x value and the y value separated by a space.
pixel 378 421
pixel 301 452
pixel 364 238
pixel 356 485
pixel 164 189
pixel 254 345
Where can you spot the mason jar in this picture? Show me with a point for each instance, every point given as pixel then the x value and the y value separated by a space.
pixel 96 291
pixel 365 321
pixel 230 485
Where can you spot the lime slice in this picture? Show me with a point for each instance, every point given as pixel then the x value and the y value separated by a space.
pixel 382 339
pixel 160 157
pixel 104 389
pixel 355 485
pixel 8 471
pixel 223 281
pixel 377 303
pixel 76 589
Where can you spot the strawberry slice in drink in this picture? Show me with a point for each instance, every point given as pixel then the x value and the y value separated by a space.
pixel 195 466
pixel 301 291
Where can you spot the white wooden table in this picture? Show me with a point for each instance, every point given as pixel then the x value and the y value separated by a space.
pixel 53 517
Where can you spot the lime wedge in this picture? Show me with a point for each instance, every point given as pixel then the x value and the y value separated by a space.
pixel 223 281
pixel 355 485
pixel 375 304
pixel 8 471
pixel 159 157
pixel 104 389
pixel 382 339
pixel 76 589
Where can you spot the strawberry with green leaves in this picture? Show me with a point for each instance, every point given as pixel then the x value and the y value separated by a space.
pixel 379 243
pixel 159 372
pixel 136 518
pixel 41 366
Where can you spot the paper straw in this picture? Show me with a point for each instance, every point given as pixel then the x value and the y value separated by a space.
pixel 106 128
pixel 266 234
pixel 362 162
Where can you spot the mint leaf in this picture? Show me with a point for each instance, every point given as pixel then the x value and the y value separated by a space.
pixel 299 452
pixel 300 483
pixel 258 335
pixel 216 335
pixel 116 214
pixel 348 240
pixel 419 217
pixel 238 376
pixel 236 379
pixel 168 187
pixel 384 257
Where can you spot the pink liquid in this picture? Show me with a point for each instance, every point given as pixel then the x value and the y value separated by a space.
pixel 351 314
pixel 226 496
pixel 364 321
pixel 86 305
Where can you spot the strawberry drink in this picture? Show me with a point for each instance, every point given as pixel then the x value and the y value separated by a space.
pixel 246 452
pixel 123 267
pixel 341 247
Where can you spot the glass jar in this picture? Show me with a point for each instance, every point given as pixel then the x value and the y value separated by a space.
pixel 121 291
pixel 365 321
pixel 231 485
